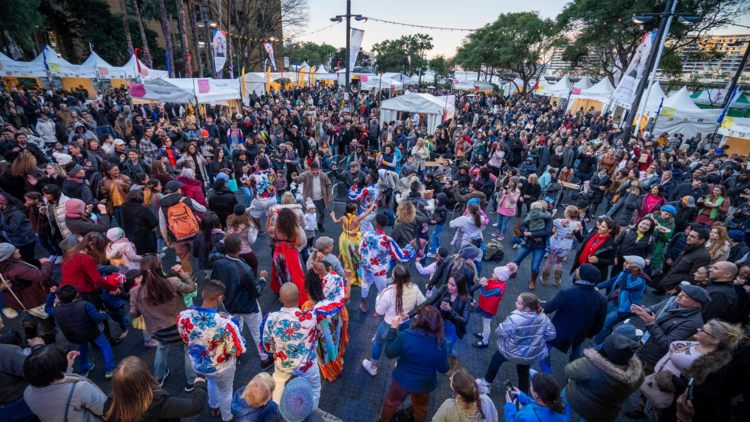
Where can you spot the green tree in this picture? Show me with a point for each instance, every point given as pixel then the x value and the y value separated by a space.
pixel 439 67
pixel 600 49
pixel 363 60
pixel 21 18
pixel 393 54
pixel 311 53
pixel 517 42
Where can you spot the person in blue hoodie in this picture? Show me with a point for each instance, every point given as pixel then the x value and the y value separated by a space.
pixel 253 403
pixel 527 167
pixel 544 405
pixel 439 217
pixel 625 289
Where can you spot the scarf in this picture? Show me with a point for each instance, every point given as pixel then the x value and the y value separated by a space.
pixel 591 246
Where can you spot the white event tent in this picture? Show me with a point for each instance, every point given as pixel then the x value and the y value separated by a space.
pixel 107 71
pixel 12 68
pixel 147 73
pixel 404 79
pixel 433 107
pixel 583 83
pixel 597 96
pixel 561 89
pixel 679 114
pixel 254 82
pixel 186 90
pixel 483 86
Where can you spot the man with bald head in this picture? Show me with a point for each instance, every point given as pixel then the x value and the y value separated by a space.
pixel 291 335
pixel 724 298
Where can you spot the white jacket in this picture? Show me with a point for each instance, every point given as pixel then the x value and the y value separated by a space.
pixel 46 130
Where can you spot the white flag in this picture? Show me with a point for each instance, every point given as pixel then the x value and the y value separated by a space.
pixel 625 91
pixel 355 44
pixel 269 49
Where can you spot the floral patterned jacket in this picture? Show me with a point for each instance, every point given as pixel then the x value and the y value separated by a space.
pixel 212 338
pixel 377 250
pixel 262 182
pixel 367 196
pixel 291 334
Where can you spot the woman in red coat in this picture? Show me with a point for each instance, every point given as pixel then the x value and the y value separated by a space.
pixel 192 188
pixel 27 285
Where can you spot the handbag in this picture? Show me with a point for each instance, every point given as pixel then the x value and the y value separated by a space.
pixel 659 399
pixel 232 185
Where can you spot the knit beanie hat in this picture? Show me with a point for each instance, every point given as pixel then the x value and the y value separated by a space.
pixel 296 402
pixel 74 207
pixel 309 204
pixel 589 273
pixel 6 250
pixel 619 349
pixel 115 279
pixel 239 209
pixel 114 234
pixel 469 251
pixel 75 170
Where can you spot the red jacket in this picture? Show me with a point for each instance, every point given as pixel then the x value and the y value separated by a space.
pixel 192 189
pixel 649 160
pixel 490 296
pixel 82 272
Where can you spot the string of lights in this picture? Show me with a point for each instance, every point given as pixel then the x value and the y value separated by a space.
pixel 316 31
pixel 272 39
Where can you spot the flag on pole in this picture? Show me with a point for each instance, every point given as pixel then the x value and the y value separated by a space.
pixel 138 62
pixel 269 49
pixel 729 103
pixel 660 105
pixel 536 85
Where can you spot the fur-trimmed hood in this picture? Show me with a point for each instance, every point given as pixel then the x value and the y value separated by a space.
pixel 627 374
pixel 117 248
pixel 706 365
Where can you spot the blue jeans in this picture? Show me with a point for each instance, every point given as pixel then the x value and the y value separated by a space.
pixel 583 176
pixel 576 351
pixel 536 261
pixel 106 130
pixel 612 319
pixel 247 196
pixel 502 223
pixel 103 343
pixel 435 238
pixel 379 341
pixel 160 362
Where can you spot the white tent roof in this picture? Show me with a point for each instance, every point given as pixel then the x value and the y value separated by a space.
pixel 10 67
pixel 146 73
pixel 96 61
pixel 560 89
pixel 435 108
pixel 681 101
pixel 52 57
pixel 654 99
pixel 321 69
pixel 187 90
pixel 469 85
pixel 584 83
pixel 408 80
pixel 374 81
pixel 107 71
pixel 66 70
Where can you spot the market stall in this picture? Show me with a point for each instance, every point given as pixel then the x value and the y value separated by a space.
pixel 433 107
pixel 14 72
pixel 597 97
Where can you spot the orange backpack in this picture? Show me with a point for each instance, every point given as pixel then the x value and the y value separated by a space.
pixel 182 221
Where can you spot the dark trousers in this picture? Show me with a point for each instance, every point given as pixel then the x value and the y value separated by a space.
pixel 50 244
pixel 27 254
pixel 252 261
pixel 396 396
pixel 320 206
pixel 523 372
pixel 96 300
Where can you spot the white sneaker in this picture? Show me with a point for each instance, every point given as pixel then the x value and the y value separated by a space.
pixel 483 386
pixel 368 367
pixel 58 260
pixel 494 225
pixel 430 255
pixel 164 248
pixel 9 313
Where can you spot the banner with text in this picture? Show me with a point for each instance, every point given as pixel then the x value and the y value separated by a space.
pixel 269 49
pixel 626 89
pixel 220 50
pixel 355 44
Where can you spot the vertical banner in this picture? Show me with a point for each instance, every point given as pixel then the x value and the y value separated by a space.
pixel 312 75
pixel 628 85
pixel 220 50
pixel 408 56
pixel 242 87
pixel 354 45
pixel 268 80
pixel 269 49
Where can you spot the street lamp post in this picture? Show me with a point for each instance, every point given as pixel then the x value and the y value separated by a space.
pixel 733 83
pixel 653 62
pixel 340 18
pixel 207 24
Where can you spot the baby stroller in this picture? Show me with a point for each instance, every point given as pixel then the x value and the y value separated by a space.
pixel 552 195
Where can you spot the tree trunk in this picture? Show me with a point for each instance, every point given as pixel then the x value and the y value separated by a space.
pixel 194 31
pixel 229 39
pixel 126 28
pixel 185 51
pixel 167 36
pixel 146 54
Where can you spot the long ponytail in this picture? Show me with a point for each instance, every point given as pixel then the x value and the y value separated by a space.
pixel 474 210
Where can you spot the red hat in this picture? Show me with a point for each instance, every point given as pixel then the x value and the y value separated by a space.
pixel 115 279
pixel 204 132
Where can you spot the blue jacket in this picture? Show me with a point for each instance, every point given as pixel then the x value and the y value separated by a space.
pixel 543 234
pixel 531 412
pixel 246 413
pixel 241 294
pixel 16 227
pixel 631 290
pixel 526 169
pixel 676 246
pixel 579 314
pixel 418 359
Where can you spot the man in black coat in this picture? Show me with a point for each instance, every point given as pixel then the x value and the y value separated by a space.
pixel 695 256
pixel 580 312
pixel 738 185
pixel 723 304
pixel 692 188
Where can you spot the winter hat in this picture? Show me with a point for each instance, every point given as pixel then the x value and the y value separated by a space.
pixel 172 186
pixel 323 242
pixel 640 262
pixel 114 234
pixel 75 170
pixel 628 330
pixel 62 159
pixel 296 402
pixel 309 204
pixel 696 293
pixel 6 250
pixel 737 235
pixel 477 185
pixel 469 251
pixel 239 209
pixel 502 273
pixel 619 349
pixel 473 201
pixel 516 180
pixel 116 279
pixel 670 209
pixel 204 132
pixel 589 273
pixel 74 207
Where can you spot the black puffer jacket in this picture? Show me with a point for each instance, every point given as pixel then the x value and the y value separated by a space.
pixel 458 314
pixel 627 244
pixel 222 202
pixel 685 266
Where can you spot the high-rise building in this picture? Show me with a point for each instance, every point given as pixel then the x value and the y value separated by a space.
pixel 726 65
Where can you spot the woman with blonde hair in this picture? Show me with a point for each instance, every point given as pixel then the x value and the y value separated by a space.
pixel 25 166
pixel 253 402
pixel 561 242
pixel 55 174
pixel 408 224
pixel 117 186
pixel 610 161
pixel 718 244
pixel 137 396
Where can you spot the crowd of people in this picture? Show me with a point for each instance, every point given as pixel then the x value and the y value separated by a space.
pixel 109 190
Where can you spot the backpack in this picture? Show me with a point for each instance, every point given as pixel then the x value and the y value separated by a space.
pixel 182 221
pixel 494 251
pixel 391 217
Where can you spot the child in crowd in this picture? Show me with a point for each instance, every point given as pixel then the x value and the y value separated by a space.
pixel 77 330
pixel 280 184
pixel 121 251
pixel 485 220
pixel 253 403
pixel 442 253
pixel 311 222
pixel 134 278
pixel 439 217
pixel 535 218
pixel 116 304
pixel 490 294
